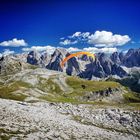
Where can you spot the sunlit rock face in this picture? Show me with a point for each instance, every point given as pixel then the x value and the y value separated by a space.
pixel 103 66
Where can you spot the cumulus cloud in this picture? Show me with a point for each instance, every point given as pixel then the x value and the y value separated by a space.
pixel 93 49
pixel 14 43
pixel 98 39
pixel 73 49
pixel 67 42
pixel 43 48
pixel 7 52
pixel 49 49
pixel 100 50
pixel 107 39
pixel 75 38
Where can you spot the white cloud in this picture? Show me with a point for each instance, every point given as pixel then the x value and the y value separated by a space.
pixel 73 49
pixel 75 38
pixel 14 43
pixel 80 35
pixel 85 35
pixel 68 42
pixel 77 34
pixel 49 49
pixel 98 39
pixel 7 52
pixel 107 39
pixel 100 50
pixel 26 49
pixel 62 38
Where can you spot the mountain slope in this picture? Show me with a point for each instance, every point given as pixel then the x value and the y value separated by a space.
pixel 56 86
pixel 52 105
pixel 32 83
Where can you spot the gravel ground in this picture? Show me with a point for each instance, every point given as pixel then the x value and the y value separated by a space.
pixel 44 120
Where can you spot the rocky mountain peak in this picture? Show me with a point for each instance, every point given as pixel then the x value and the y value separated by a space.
pixel 9 64
pixel 115 57
pixel 33 57
pixel 104 65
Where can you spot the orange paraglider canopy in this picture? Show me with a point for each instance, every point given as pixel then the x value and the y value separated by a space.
pixel 76 54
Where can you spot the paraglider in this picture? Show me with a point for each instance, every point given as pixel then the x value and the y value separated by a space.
pixel 76 54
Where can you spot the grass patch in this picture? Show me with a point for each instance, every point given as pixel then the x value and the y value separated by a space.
pixel 6 91
pixel 6 134
pixel 57 95
pixel 136 106
pixel 48 86
pixel 32 66
pixel 76 83
pixel 18 97
pixel 59 99
pixel 131 97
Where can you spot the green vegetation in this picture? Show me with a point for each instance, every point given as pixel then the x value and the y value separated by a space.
pixel 18 97
pixel 7 134
pixel 78 92
pixel 32 66
pixel 76 83
pixel 59 98
pixel 6 91
pixel 1 83
pixel 79 86
pixel 55 94
pixel 132 97
pixel 135 106
pixel 48 86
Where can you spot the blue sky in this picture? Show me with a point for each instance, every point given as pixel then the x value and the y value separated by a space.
pixel 44 22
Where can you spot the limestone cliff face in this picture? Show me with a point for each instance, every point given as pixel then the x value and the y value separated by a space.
pixel 83 66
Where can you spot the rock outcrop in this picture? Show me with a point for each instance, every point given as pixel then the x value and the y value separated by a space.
pixel 103 66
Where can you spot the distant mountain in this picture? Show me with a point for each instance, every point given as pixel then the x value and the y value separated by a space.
pixel 85 67
pixel 104 65
pixel 132 58
pixel 56 58
pixel 34 58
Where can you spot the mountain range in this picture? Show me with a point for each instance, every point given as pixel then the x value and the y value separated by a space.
pixel 104 65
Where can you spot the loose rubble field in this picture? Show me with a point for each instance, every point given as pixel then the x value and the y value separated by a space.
pixel 44 120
